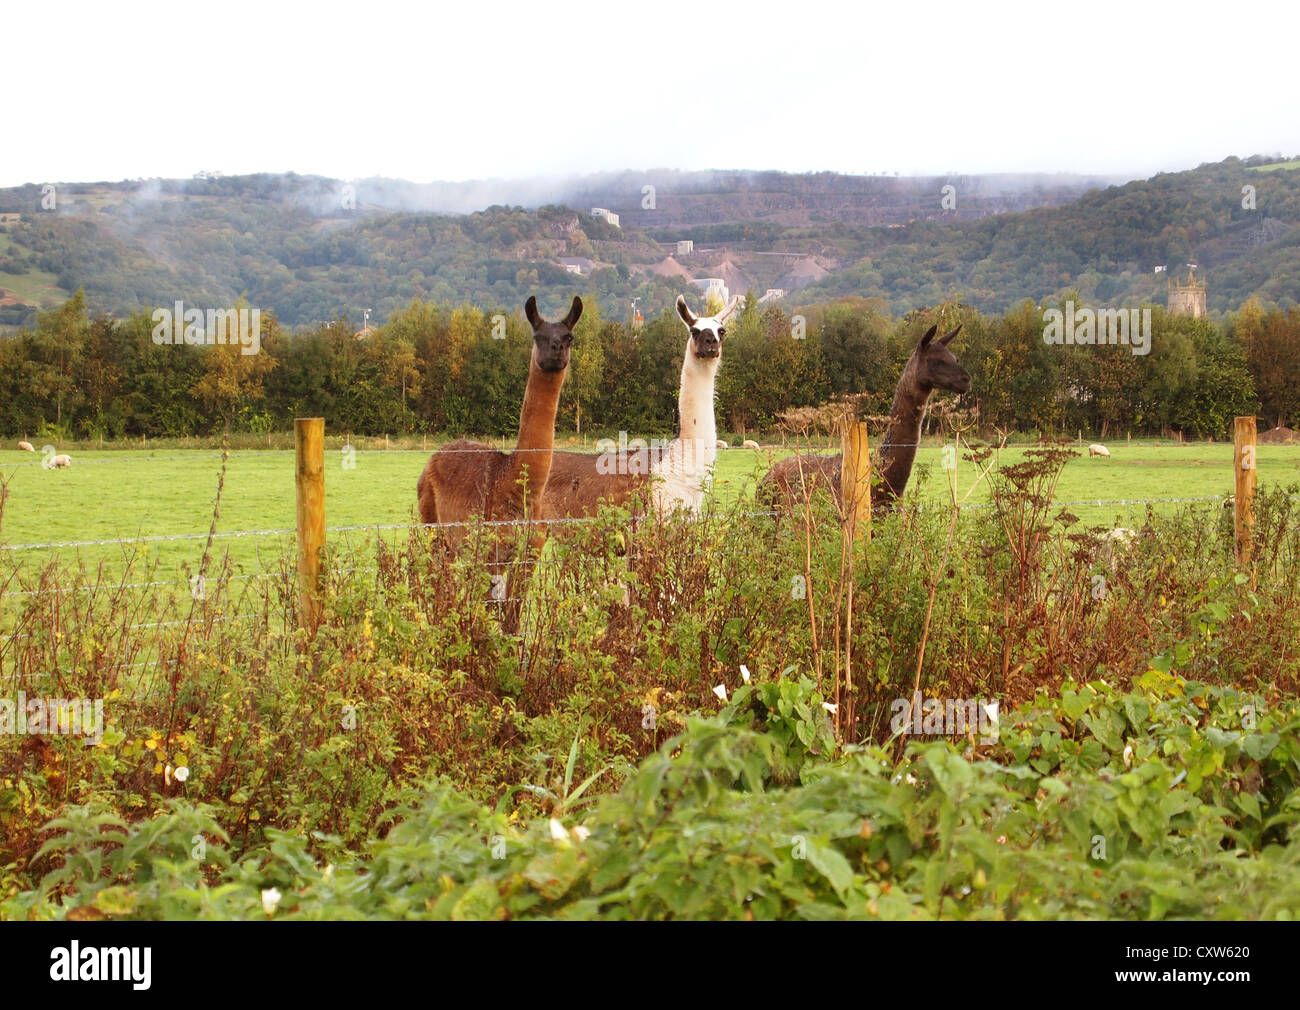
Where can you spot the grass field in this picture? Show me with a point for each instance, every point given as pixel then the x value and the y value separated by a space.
pixel 38 286
pixel 136 493
pixel 1277 166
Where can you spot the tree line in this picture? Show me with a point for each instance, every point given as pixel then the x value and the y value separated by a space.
pixel 448 370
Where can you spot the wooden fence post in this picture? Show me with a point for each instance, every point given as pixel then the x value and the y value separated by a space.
pixel 309 454
pixel 1244 472
pixel 855 479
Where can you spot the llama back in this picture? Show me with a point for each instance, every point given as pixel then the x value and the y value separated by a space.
pixel 788 481
pixel 465 472
pixel 575 487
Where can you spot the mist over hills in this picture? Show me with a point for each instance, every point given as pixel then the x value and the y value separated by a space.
pixel 312 249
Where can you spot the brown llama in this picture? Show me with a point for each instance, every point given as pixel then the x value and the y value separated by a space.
pixel 666 477
pixel 932 366
pixel 465 479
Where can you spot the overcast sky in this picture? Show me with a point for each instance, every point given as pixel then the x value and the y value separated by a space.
pixel 493 89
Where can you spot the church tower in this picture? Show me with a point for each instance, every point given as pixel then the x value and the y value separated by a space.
pixel 1187 299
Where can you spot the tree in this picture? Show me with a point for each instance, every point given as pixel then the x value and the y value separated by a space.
pixel 57 347
pixel 586 359
pixel 230 378
pixel 1272 344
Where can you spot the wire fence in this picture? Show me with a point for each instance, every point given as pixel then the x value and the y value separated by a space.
pixel 642 443
pixel 633 447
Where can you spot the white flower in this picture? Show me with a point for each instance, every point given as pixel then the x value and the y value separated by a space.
pixel 721 691
pixel 270 898
pixel 557 830
pixel 1128 756
pixel 182 773
pixel 582 833
pixel 830 707
pixel 744 673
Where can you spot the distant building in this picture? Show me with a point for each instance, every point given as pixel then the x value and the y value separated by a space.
pixel 771 295
pixel 685 247
pixel 1186 299
pixel 713 286
pixel 1160 268
pixel 579 265
pixel 608 215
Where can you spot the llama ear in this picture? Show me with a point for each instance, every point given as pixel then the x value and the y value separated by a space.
pixel 727 312
pixel 945 340
pixel 929 335
pixel 688 317
pixel 575 313
pixel 530 313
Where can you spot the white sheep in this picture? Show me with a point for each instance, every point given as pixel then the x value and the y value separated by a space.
pixel 722 443
pixel 26 447
pixel 60 461
pixel 1097 449
pixel 751 444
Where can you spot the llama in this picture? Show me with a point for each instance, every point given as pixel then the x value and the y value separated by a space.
pixel 466 478
pixel 932 366
pixel 580 481
pixel 1098 450
pixel 26 447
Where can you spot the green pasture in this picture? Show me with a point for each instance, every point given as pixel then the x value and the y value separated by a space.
pixel 133 493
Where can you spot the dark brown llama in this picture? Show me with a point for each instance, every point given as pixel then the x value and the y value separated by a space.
pixel 465 479
pixel 932 366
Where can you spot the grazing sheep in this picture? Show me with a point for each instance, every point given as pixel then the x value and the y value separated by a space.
pixel 60 461
pixel 751 444
pixel 26 447
pixel 722 443
pixel 1098 450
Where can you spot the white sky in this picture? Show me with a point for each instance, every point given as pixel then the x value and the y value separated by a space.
pixel 494 88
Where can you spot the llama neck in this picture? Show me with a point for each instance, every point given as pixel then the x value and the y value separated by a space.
pixel 536 431
pixel 695 449
pixel 695 400
pixel 899 450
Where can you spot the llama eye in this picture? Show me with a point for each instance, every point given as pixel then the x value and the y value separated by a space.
pixel 722 332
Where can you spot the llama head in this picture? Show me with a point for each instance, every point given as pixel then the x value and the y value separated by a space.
pixel 551 341
pixel 706 332
pixel 936 366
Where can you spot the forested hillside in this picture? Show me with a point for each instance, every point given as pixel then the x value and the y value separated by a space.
pixel 311 249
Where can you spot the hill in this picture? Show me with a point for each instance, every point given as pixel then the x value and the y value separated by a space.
pixel 313 249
